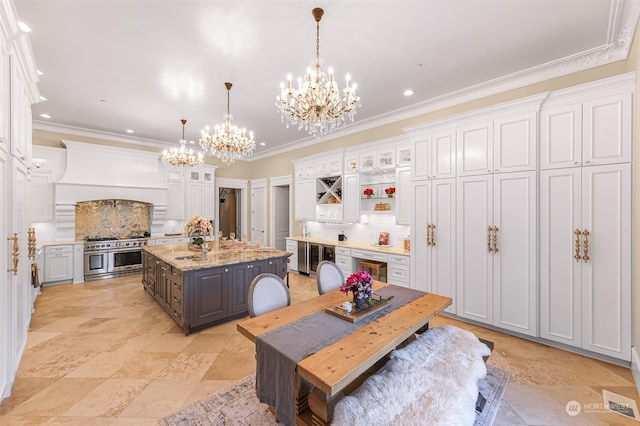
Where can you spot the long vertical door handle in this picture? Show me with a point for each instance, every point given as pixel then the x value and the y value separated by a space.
pixel 15 253
pixel 495 239
pixel 585 246
pixel 429 240
pixel 577 256
pixel 433 234
pixel 489 248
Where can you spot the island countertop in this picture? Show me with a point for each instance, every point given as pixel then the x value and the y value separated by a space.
pixel 174 255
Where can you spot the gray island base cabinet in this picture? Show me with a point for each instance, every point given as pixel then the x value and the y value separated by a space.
pixel 200 297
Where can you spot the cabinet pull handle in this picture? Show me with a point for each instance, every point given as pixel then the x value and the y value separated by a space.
pixel 428 235
pixel 15 253
pixel 489 248
pixel 585 246
pixel 495 239
pixel 32 243
pixel 433 234
pixel 577 256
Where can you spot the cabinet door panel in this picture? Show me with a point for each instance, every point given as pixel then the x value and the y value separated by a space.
pixel 420 206
pixel 403 196
pixel 474 277
pixel 607 130
pixel 606 297
pixel 475 149
pixel 561 137
pixel 514 264
pixel 420 158
pixel 560 274
pixel 515 143
pixel 443 253
pixel 208 298
pixel 443 155
pixel 351 197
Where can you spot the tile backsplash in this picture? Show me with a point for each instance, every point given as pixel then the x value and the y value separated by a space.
pixel 111 218
pixel 367 231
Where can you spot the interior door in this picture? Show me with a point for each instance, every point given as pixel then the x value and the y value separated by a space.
pixel 443 249
pixel 5 258
pixel 258 214
pixel 281 219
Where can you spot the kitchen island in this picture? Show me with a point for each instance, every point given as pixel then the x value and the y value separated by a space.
pixel 198 292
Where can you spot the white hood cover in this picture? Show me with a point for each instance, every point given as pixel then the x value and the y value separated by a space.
pixel 96 172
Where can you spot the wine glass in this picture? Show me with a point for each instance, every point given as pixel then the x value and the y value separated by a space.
pixel 232 236
pixel 219 235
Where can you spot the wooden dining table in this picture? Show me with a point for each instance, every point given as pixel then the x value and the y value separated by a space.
pixel 334 368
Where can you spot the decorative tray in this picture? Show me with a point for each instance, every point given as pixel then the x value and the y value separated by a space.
pixel 378 303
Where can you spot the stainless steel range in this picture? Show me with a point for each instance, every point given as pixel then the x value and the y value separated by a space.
pixel 108 258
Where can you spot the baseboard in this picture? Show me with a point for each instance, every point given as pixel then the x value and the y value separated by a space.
pixel 635 367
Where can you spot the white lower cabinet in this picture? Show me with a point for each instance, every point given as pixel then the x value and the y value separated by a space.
pixel 343 260
pixel 433 238
pixel 585 258
pixel 398 270
pixel 292 247
pixel 497 250
pixel 58 263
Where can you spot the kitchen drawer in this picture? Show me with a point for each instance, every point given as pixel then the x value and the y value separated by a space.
pixel 176 288
pixel 58 249
pixel 292 246
pixel 343 251
pixel 176 302
pixel 397 274
pixel 369 255
pixel 344 262
pixel 177 314
pixel 176 274
pixel 398 260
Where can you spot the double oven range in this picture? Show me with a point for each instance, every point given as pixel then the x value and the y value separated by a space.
pixel 109 258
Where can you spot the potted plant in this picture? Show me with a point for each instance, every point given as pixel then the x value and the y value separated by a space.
pixel 390 191
pixel 361 285
pixel 368 192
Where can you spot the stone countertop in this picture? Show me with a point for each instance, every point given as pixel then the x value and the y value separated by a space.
pixel 215 257
pixel 353 245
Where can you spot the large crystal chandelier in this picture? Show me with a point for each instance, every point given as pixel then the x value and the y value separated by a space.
pixel 316 105
pixel 228 142
pixel 182 157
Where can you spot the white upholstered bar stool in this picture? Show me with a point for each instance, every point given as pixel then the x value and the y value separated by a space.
pixel 329 277
pixel 267 293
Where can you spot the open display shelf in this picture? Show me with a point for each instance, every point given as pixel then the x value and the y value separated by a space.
pixel 379 202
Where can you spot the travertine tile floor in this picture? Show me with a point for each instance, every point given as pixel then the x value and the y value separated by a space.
pixel 104 352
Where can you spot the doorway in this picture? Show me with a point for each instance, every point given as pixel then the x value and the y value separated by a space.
pixel 230 206
pixel 280 213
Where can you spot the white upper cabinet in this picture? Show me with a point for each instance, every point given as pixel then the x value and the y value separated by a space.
pixel 434 155
pixel 588 126
pixel 329 166
pixel 4 101
pixel 381 159
pixel 351 197
pixel 507 143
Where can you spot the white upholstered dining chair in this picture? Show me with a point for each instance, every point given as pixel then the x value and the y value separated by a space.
pixel 267 293
pixel 329 277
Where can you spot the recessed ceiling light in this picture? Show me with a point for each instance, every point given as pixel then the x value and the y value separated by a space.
pixel 129 131
pixel 45 116
pixel 24 27
pixel 42 98
pixel 102 100
pixel 408 92
pixel 39 72
pixel 263 143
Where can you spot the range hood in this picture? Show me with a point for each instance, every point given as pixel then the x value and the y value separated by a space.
pixel 99 172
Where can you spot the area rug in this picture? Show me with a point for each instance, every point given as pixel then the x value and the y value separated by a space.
pixel 237 404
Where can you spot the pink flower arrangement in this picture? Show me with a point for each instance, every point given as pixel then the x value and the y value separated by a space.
pixel 360 284
pixel 198 225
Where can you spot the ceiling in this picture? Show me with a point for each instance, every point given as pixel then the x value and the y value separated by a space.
pixel 113 65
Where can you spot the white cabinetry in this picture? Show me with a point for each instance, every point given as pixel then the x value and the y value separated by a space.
pixel 597 131
pixel 380 159
pixel 434 154
pixel 305 191
pixel 78 263
pixel 585 258
pixel 292 247
pixel 433 237
pixel 41 197
pixel 200 190
pixel 351 197
pixel 398 270
pixel 20 115
pixel 176 198
pixel 497 246
pixel 507 143
pixel 58 263
pixel 343 260
pixel 378 202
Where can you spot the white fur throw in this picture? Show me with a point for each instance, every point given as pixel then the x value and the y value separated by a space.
pixel 431 381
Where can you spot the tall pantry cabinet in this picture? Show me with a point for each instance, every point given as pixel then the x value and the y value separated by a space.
pixel 18 91
pixel 585 218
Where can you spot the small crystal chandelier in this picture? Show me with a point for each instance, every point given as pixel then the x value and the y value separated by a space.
pixel 228 142
pixel 182 157
pixel 316 105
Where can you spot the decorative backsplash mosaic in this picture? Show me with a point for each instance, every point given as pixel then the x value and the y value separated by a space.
pixel 111 219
